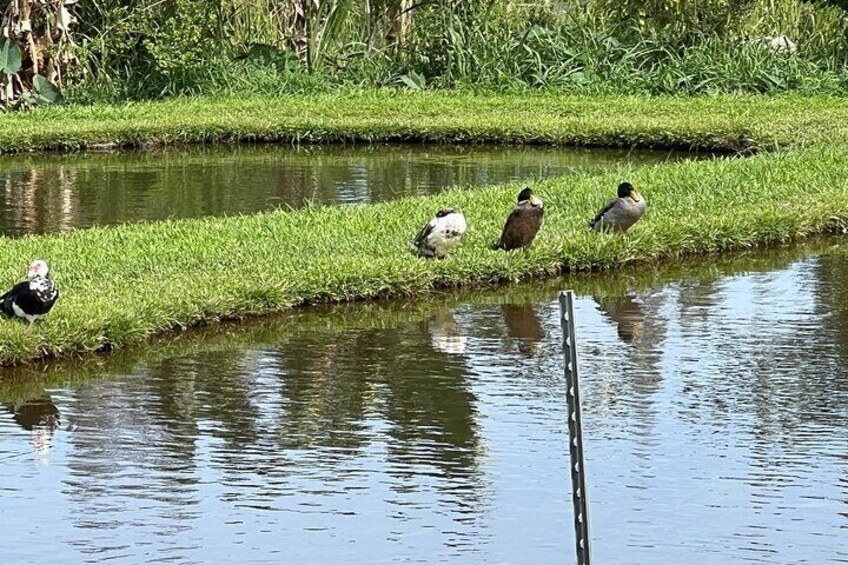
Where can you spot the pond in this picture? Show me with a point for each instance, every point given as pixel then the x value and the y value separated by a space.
pixel 51 193
pixel 433 430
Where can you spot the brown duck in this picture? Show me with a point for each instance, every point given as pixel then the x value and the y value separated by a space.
pixel 523 222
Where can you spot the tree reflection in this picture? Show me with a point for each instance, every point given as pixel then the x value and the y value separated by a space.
pixel 57 193
pixel 331 380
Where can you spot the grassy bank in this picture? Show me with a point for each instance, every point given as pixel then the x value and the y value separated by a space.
pixel 343 322
pixel 716 123
pixel 121 285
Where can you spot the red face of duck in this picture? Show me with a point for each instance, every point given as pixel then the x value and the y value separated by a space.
pixel 37 269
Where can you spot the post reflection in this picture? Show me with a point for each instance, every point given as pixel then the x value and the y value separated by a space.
pixel 420 428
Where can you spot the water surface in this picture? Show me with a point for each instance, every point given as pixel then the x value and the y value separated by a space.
pixel 433 431
pixel 51 193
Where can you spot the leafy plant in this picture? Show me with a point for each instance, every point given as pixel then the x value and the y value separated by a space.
pixel 10 57
pixel 10 63
pixel 46 92
pixel 413 80
pixel 36 50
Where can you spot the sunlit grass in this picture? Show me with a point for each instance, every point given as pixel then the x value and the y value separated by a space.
pixel 720 122
pixel 19 384
pixel 121 285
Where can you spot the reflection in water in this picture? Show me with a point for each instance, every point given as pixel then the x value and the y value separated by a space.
pixel 56 193
pixel 39 416
pixel 715 410
pixel 524 326
pixel 625 312
pixel 445 333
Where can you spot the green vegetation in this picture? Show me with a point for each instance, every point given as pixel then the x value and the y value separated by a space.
pixel 19 383
pixel 117 50
pixel 124 284
pixel 728 123
pixel 156 48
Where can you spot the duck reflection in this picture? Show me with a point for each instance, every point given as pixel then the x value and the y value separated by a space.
pixel 39 416
pixel 445 333
pixel 626 312
pixel 333 382
pixel 524 326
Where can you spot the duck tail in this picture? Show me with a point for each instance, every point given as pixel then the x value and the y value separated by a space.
pixel 5 306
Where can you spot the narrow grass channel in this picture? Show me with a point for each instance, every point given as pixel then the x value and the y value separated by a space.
pixel 123 284
pixel 728 123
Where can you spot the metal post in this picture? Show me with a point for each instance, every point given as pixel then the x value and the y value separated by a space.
pixel 575 430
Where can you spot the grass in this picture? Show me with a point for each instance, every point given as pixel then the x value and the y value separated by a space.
pixel 727 123
pixel 19 384
pixel 124 284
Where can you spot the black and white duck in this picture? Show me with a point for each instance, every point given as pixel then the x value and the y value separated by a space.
pixel 523 223
pixel 441 233
pixel 619 214
pixel 33 298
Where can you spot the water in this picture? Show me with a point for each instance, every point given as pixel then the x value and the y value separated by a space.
pixel 433 431
pixel 51 193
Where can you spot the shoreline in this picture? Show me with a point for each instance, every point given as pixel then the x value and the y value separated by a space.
pixel 728 124
pixel 122 285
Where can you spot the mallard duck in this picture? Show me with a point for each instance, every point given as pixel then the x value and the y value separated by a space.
pixel 523 222
pixel 33 298
pixel 620 213
pixel 441 233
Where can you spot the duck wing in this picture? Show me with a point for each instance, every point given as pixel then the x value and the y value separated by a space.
pixel 424 233
pixel 11 295
pixel 44 291
pixel 521 227
pixel 607 207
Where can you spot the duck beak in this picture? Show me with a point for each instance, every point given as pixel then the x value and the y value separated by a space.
pixel 635 196
pixel 534 201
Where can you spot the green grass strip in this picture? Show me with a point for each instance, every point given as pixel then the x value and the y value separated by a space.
pixel 123 284
pixel 716 123
pixel 339 322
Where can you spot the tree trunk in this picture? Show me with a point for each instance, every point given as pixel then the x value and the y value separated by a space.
pixel 400 24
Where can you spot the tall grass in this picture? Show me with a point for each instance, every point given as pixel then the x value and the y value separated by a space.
pixel 121 285
pixel 166 47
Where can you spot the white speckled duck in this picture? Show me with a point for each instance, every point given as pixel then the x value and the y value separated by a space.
pixel 33 298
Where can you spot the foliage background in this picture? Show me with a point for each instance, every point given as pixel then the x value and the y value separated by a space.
pixel 143 49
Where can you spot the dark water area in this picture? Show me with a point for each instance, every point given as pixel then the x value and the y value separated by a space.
pixel 54 193
pixel 433 430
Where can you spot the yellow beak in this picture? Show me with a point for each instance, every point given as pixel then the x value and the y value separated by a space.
pixel 635 196
pixel 534 201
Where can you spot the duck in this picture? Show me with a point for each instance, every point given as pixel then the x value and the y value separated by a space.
pixel 441 233
pixel 620 213
pixel 523 223
pixel 33 298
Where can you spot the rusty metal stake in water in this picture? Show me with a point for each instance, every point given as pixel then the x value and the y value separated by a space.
pixel 575 430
